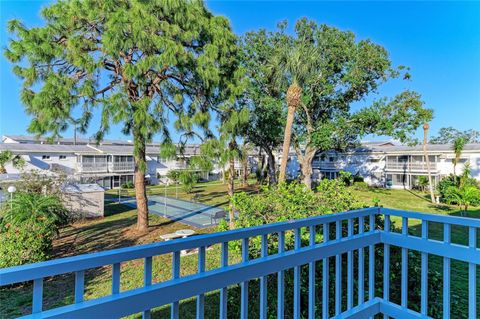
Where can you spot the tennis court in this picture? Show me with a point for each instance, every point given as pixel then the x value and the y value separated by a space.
pixel 187 212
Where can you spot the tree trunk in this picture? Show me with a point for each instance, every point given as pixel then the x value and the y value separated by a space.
pixel 231 183
pixel 305 161
pixel 140 192
pixel 427 161
pixel 272 176
pixel 244 171
pixel 294 93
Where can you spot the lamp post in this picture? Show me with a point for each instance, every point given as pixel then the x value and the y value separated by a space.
pixel 11 189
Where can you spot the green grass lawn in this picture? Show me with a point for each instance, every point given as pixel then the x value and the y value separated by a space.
pixel 117 230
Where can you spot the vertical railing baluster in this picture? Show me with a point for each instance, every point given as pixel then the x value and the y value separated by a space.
pixel 424 273
pixel 472 276
pixel 386 265
pixel 446 273
pixel 147 281
pixel 361 264
pixel 37 300
pixel 404 275
pixel 244 285
pixel 280 279
pixel 116 278
pixel 223 291
pixel 350 268
pixel 326 275
pixel 338 272
pixel 263 281
pixel 79 285
pixel 201 269
pixel 371 261
pixel 311 278
pixel 296 278
pixel 175 307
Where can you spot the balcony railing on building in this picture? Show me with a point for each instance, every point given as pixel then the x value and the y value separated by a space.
pixel 92 167
pixel 328 165
pixel 121 166
pixel 410 166
pixel 323 245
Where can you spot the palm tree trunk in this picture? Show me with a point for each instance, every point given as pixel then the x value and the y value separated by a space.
pixel 272 176
pixel 231 183
pixel 427 161
pixel 294 93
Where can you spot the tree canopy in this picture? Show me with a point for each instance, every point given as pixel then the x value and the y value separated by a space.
pixel 132 62
pixel 448 135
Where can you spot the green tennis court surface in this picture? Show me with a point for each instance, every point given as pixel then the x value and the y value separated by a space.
pixel 187 212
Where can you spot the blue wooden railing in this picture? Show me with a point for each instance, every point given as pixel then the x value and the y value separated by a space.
pixel 356 234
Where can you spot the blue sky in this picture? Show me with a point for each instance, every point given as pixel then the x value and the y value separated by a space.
pixel 439 41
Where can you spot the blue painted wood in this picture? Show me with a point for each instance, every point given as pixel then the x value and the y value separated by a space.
pixel 147 281
pixel 244 284
pixel 37 302
pixel 201 297
pixel 424 273
pixel 116 278
pixel 296 278
pixel 326 276
pixel 263 280
pixel 79 286
pixel 437 218
pixel 338 272
pixel 281 279
pixel 223 291
pixel 311 278
pixel 82 262
pixel 386 264
pixel 404 274
pixel 361 264
pixel 472 276
pixel 350 268
pixel 175 307
pixel 371 261
pixel 446 274
pixel 120 304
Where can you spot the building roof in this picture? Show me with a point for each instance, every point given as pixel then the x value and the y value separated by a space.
pixel 47 148
pixel 435 148
pixel 62 141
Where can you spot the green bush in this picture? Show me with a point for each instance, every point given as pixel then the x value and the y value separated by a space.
pixel 447 182
pixel 188 179
pixel 361 186
pixel 28 226
pixel 346 177
pixel 358 178
pixel 128 185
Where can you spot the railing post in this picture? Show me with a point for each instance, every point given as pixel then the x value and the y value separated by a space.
pixel 223 291
pixel 296 278
pixel 371 261
pixel 201 298
pixel 326 275
pixel 404 277
pixel 263 281
pixel 361 264
pixel 424 274
pixel 338 272
pixel 147 281
pixel 472 276
pixel 116 278
pixel 311 278
pixel 244 285
pixel 386 264
pixel 446 274
pixel 79 285
pixel 280 278
pixel 175 274
pixel 350 268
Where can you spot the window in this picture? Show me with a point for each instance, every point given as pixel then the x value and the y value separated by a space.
pixel 62 157
pixel 45 157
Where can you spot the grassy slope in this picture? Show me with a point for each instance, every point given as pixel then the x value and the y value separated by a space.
pixel 117 230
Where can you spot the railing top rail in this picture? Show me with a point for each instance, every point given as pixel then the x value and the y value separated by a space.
pixel 445 219
pixel 87 261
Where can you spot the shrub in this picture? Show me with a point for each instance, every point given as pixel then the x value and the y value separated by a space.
pixel 447 182
pixel 361 186
pixel 346 177
pixel 28 227
pixel 128 185
pixel 188 179
pixel 358 178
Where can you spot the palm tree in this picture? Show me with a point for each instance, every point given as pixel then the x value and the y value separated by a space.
pixel 291 66
pixel 8 156
pixel 427 161
pixel 458 145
